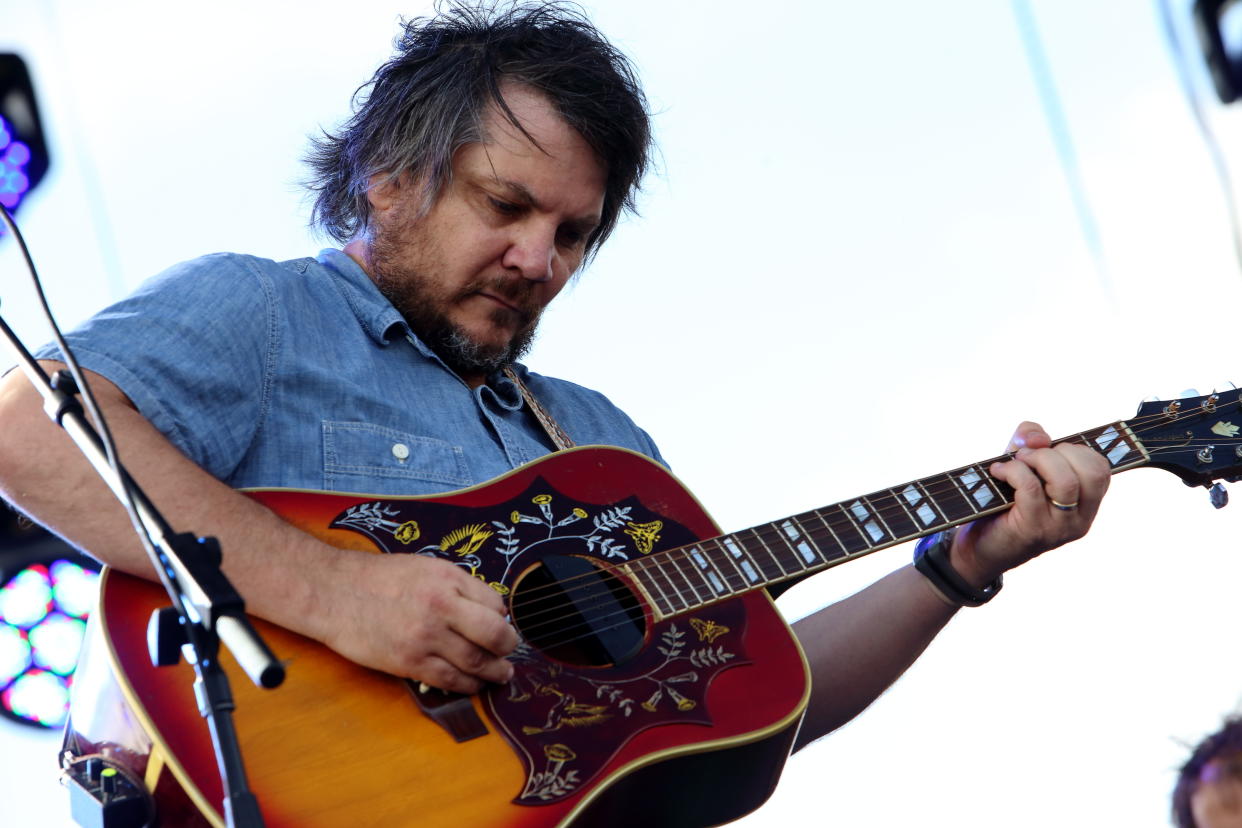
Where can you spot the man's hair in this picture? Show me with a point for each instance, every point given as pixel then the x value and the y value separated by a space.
pixel 1225 742
pixel 430 99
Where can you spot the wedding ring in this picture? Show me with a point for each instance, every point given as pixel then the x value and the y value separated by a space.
pixel 1064 507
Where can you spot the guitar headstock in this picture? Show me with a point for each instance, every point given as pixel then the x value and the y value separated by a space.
pixel 1197 438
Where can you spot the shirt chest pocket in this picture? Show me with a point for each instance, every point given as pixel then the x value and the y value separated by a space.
pixel 355 453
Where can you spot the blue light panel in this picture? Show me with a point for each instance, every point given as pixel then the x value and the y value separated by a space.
pixel 43 610
pixel 14 158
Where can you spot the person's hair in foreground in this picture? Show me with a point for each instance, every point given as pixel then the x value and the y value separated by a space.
pixel 431 97
pixel 1224 744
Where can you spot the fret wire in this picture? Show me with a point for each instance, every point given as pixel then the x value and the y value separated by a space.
pixel 1132 441
pixel 918 484
pixel 795 554
pixel 677 592
pixel 900 498
pixel 711 558
pixel 781 549
pixel 878 516
pixel 891 508
pixel 992 485
pixel 780 534
pixel 820 514
pixel 947 488
pixel 798 555
pixel 811 536
pixel 1123 439
pixel 1090 442
pixel 784 537
pixel 698 598
pixel 767 549
pixel 817 533
pixel 846 523
pixel 641 565
pixel 886 514
pixel 970 501
pixel 715 566
pixel 735 542
pixel 702 564
pixel 983 482
pixel 803 538
pixel 849 518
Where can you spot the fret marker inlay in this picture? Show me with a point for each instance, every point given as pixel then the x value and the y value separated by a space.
pixel 712 578
pixel 747 569
pixel 864 518
pixel 971 482
pixel 798 541
pixel 915 498
pixel 1119 451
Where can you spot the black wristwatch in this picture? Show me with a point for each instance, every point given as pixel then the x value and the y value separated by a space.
pixel 931 557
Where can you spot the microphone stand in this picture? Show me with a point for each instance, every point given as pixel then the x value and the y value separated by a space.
pixel 206 609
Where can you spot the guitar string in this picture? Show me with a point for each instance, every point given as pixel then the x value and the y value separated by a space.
pixel 692 599
pixel 696 604
pixel 769 534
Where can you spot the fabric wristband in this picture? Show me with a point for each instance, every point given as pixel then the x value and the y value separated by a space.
pixel 931 557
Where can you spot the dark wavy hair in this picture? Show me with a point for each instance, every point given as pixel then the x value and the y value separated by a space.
pixel 430 99
pixel 1225 742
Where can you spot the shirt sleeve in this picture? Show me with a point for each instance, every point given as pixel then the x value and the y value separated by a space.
pixel 193 349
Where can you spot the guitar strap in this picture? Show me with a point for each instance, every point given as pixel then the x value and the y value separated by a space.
pixel 454 711
pixel 557 434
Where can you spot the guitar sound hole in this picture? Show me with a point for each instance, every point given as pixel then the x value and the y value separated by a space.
pixel 575 612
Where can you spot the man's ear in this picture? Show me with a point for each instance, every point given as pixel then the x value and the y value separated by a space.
pixel 384 190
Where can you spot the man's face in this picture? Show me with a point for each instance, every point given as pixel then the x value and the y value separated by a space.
pixel 1217 801
pixel 473 274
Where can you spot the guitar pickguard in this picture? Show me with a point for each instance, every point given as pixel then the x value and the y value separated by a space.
pixel 567 721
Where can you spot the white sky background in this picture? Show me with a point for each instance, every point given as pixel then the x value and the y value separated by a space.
pixel 859 264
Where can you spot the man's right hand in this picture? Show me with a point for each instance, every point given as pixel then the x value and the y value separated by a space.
pixel 419 617
pixel 412 616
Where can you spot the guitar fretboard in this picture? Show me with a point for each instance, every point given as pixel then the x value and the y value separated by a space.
pixel 689 577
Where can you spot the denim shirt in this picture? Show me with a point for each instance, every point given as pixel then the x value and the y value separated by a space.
pixel 301 374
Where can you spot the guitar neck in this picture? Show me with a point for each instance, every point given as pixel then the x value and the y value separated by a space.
pixel 686 578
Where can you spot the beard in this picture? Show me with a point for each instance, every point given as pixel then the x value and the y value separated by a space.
pixel 425 303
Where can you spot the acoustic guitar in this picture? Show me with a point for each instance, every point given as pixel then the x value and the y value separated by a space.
pixel 655 683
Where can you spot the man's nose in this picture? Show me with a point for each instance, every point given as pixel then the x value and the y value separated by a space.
pixel 533 254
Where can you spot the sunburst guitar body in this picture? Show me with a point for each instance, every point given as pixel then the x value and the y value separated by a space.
pixel 656 684
pixel 634 700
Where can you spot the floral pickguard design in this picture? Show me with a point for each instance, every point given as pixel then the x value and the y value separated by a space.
pixel 566 722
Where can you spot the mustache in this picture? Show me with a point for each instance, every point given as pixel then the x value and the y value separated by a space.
pixel 517 292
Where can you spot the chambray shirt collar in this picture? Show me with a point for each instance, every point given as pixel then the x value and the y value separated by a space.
pixel 376 315
pixel 384 324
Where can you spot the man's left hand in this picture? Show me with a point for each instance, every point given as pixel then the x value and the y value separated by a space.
pixel 1057 492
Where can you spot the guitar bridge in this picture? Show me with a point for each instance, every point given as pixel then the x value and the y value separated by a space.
pixel 452 711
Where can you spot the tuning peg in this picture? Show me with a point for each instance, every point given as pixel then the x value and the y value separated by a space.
pixel 1189 392
pixel 1218 495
